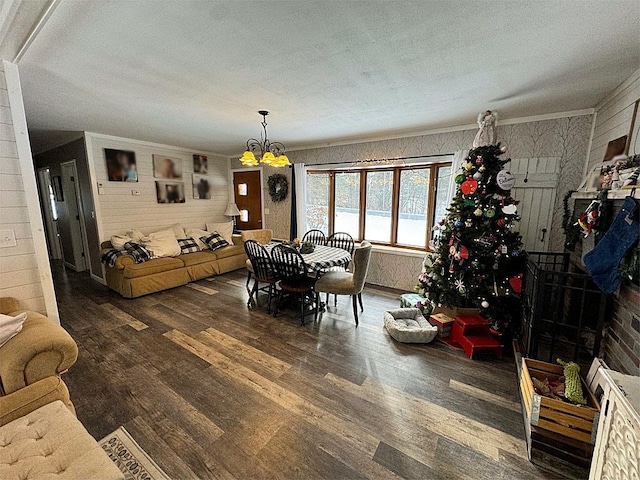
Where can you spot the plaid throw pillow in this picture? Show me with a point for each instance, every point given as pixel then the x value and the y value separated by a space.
pixel 109 258
pixel 214 241
pixel 137 251
pixel 188 245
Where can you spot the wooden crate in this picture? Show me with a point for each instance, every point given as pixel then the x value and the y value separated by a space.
pixel 554 418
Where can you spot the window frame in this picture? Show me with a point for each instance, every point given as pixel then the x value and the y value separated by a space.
pixel 395 204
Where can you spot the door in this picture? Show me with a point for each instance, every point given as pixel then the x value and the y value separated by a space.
pixel 537 199
pixel 69 222
pixel 48 206
pixel 247 188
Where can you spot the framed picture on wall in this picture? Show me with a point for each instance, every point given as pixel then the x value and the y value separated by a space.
pixel 614 148
pixel 170 192
pixel 200 164
pixel 167 167
pixel 121 165
pixel 202 185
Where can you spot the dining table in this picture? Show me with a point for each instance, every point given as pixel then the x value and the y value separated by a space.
pixel 322 258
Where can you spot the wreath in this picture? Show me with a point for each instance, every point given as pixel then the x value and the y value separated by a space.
pixel 278 187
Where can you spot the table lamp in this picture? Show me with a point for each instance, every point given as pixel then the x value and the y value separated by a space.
pixel 232 211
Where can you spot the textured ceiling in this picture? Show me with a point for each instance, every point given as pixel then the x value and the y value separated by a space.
pixel 194 73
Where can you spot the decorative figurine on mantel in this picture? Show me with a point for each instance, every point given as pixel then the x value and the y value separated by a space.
pixel 487 133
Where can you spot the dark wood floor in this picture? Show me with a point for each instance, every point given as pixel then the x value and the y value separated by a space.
pixel 211 389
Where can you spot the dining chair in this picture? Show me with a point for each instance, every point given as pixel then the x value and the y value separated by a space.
pixel 292 271
pixel 344 241
pixel 348 283
pixel 263 271
pixel 262 236
pixel 317 237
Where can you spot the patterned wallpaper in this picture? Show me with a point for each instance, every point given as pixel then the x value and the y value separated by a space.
pixel 565 138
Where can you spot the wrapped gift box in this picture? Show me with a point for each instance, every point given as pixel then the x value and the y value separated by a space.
pixel 411 300
pixel 443 322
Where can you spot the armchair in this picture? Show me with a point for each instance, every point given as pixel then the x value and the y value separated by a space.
pixel 31 364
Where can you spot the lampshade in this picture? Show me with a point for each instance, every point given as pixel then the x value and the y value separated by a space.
pixel 232 210
pixel 268 158
pixel 248 159
pixel 281 161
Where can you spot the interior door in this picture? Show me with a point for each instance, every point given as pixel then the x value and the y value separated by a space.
pixel 247 188
pixel 69 222
pixel 48 205
pixel 537 199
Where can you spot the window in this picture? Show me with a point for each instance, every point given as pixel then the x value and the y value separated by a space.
pixel 393 206
pixel 413 206
pixel 318 202
pixel 379 203
pixel 347 203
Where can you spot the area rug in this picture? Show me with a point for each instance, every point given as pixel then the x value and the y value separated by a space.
pixel 132 461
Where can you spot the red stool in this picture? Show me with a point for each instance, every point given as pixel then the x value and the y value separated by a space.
pixel 472 333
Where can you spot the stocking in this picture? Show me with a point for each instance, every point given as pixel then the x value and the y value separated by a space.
pixel 603 261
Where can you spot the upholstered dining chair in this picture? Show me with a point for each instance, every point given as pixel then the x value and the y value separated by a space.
pixel 263 271
pixel 317 237
pixel 292 270
pixel 262 236
pixel 344 241
pixel 348 283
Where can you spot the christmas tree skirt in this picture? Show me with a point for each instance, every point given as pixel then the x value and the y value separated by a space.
pixel 453 312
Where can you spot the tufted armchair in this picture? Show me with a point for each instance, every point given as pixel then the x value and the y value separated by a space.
pixel 31 364
pixel 349 283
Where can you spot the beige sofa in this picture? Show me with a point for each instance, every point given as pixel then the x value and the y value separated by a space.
pixel 133 280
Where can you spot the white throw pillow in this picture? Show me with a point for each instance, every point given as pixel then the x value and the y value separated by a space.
pixel 10 326
pixel 162 244
pixel 178 231
pixel 225 229
pixel 135 235
pixel 118 241
pixel 196 233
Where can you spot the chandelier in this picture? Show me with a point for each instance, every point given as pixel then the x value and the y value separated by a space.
pixel 270 153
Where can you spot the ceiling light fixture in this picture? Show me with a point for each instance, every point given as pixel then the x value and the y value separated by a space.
pixel 270 153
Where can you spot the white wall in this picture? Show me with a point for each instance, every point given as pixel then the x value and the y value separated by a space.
pixel 118 210
pixel 613 117
pixel 25 273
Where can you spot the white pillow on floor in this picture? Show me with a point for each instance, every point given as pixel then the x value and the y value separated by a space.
pixel 10 326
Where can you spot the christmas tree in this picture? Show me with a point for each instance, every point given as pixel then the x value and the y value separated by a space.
pixel 475 255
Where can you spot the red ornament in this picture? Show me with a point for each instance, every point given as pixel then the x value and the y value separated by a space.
pixel 479 160
pixel 462 254
pixel 516 283
pixel 501 223
pixel 469 186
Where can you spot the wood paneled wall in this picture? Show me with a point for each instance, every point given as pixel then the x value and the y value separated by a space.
pixel 613 117
pixel 118 210
pixel 20 274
